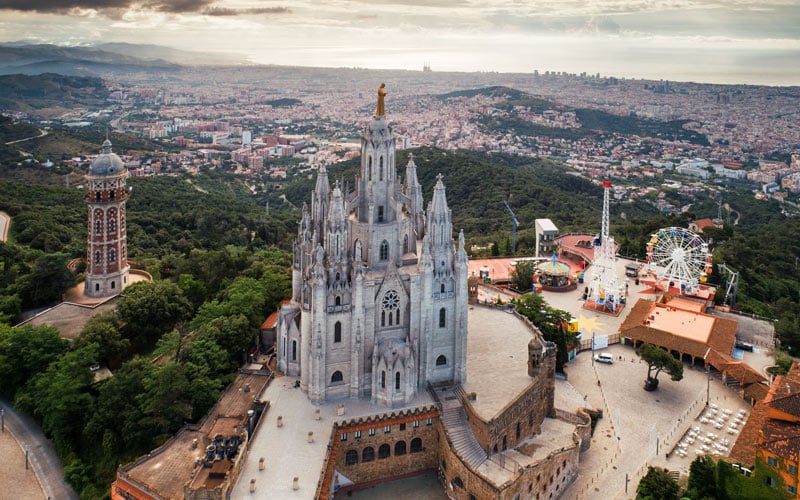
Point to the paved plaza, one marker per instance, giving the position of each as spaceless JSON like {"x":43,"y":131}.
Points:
{"x":633,"y":420}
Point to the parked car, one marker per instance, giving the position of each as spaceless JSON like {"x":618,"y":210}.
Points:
{"x":744,"y":346}
{"x":604,"y":357}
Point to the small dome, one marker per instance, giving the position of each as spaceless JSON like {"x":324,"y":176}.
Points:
{"x":107,"y":163}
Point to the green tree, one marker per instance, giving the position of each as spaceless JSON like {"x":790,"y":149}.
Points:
{"x":26,"y":351}
{"x":522,"y":275}
{"x":659,"y":360}
{"x":59,"y":397}
{"x":149,"y":309}
{"x":166,"y":400}
{"x":104,"y":330}
{"x":550,"y":322}
{"x":657,"y":485}
{"x":702,"y":480}
{"x":47,"y":280}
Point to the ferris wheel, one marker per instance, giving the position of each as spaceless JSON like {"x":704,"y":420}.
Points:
{"x":680,"y":257}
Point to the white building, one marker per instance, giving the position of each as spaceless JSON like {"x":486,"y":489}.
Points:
{"x":379,"y":286}
{"x":546,"y":234}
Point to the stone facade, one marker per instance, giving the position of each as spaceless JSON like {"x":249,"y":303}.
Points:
{"x":106,"y":247}
{"x":388,"y":446}
{"x":379,"y":286}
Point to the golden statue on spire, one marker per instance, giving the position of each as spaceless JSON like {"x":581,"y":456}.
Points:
{"x":381,"y":109}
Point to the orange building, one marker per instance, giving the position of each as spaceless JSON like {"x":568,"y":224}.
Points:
{"x":772,"y":434}
{"x":680,"y":326}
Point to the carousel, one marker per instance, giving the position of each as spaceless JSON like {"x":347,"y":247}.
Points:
{"x":554,"y":275}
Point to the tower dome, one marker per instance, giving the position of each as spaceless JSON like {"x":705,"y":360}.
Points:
{"x":107,"y":163}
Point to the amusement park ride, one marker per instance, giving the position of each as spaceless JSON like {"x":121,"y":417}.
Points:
{"x":679,"y":260}
{"x":603,"y":295}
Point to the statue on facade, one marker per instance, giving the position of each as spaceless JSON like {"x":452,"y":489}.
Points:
{"x":381,"y":109}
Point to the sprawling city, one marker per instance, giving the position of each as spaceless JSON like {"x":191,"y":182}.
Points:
{"x":234,"y":273}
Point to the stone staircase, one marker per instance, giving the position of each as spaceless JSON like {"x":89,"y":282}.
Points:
{"x":455,"y":423}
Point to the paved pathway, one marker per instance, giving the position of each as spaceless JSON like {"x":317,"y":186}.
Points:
{"x":5,"y":221}
{"x":42,"y":133}
{"x":43,"y":459}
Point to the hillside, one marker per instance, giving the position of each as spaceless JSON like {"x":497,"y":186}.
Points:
{"x":37,"y":95}
{"x":478,"y":184}
{"x":74,"y":61}
{"x":593,"y":121}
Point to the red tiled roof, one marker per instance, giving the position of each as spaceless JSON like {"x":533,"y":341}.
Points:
{"x":744,"y":450}
{"x":774,"y":435}
{"x":704,"y":223}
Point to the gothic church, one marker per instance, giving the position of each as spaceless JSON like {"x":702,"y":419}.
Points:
{"x":379,"y":286}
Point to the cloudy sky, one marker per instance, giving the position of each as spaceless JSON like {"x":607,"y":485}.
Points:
{"x":726,"y":41}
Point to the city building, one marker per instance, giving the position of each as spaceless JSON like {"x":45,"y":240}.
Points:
{"x":379,"y":286}
{"x":107,"y":254}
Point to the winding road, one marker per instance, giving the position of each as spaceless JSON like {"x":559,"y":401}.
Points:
{"x":42,"y":133}
{"x":43,"y":458}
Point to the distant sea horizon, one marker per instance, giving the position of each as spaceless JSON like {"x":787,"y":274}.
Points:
{"x":724,"y":67}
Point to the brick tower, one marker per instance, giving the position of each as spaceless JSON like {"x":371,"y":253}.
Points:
{"x":106,"y":246}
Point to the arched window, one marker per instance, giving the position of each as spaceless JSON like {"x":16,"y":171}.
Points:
{"x":112,"y":195}
{"x":400,"y":448}
{"x":112,"y":225}
{"x":98,"y":227}
{"x":337,"y":332}
{"x":294,"y":350}
{"x":369,"y":169}
{"x":98,"y":257}
{"x":442,"y":317}
{"x":97,"y":196}
{"x":384,"y":451}
{"x":368,"y":455}
{"x":442,"y":288}
{"x":338,"y":300}
{"x":113,"y":285}
{"x":441,"y":360}
{"x":383,"y":379}
{"x":384,"y":250}
{"x":397,"y":316}
{"x":112,"y":256}
{"x":351,"y":457}
{"x":97,"y":287}
{"x":336,"y":377}
{"x":405,"y":244}
{"x":338,"y":277}
{"x":397,"y":381}
{"x":383,"y":318}
{"x":519,"y":430}
{"x":416,"y":445}
{"x":380,"y":166}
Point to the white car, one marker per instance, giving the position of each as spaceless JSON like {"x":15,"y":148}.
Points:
{"x":604,"y":357}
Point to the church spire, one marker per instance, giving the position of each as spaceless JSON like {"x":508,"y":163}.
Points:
{"x":414,"y":193}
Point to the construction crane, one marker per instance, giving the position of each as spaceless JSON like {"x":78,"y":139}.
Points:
{"x":731,"y":286}
{"x":515,"y":223}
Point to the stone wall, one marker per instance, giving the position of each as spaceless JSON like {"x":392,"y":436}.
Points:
{"x":385,"y":447}
{"x":522,"y":417}
{"x":545,"y":479}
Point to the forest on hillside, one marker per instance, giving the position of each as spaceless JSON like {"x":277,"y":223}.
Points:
{"x":221,"y":263}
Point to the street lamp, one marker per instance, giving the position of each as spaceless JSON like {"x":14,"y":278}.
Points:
{"x":708,"y":383}
{"x":592,"y":347}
